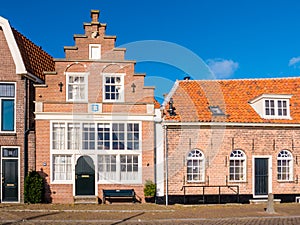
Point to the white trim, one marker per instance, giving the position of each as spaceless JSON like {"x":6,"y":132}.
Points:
{"x":75,"y":154}
{"x":94,"y":117}
{"x":271,"y":96}
{"x":94,"y":46}
{"x":269,"y":157}
{"x":86,"y":82}
{"x":276,"y":116}
{"x":13,"y":47}
{"x":121,"y":93}
{"x":15,"y":103}
{"x":233,"y":124}
{"x":244,"y":157}
{"x":290,"y":166}
{"x":74,"y":162}
{"x":19,"y":172}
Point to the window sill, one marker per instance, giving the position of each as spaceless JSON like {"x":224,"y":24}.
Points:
{"x":237,"y":181}
{"x":8,"y":134}
{"x":285,"y":181}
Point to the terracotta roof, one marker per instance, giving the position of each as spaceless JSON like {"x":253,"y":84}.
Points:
{"x":35,"y":59}
{"x":156,"y":104}
{"x":192,"y":99}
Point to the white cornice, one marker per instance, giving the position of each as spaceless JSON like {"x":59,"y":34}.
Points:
{"x":13,"y":47}
{"x":93,"y":117}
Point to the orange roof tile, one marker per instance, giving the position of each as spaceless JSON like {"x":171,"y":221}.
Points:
{"x":35,"y":59}
{"x":192,"y":99}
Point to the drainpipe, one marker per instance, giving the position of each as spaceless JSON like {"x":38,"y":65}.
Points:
{"x":167,"y":172}
{"x":26,"y":130}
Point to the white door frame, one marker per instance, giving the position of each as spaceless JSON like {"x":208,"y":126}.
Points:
{"x":94,"y":158}
{"x":269,"y":157}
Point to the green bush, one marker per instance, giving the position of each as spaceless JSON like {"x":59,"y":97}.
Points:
{"x":33,"y":188}
{"x":149,"y":189}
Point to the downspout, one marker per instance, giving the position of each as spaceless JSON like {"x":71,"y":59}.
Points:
{"x":167,"y":172}
{"x":26,"y":130}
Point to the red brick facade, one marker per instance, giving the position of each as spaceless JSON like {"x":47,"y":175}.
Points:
{"x":18,"y":72}
{"x":54,"y":106}
{"x":218,"y":136}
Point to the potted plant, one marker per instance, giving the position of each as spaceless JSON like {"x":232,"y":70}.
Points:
{"x":149,"y":191}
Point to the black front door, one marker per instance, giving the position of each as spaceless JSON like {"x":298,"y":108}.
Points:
{"x":10,"y":180}
{"x":261,"y":176}
{"x":85,"y":176}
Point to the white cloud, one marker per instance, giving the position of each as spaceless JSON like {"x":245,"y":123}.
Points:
{"x":293,"y":61}
{"x":222,"y":68}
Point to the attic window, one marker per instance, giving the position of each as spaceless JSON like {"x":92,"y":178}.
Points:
{"x":272,"y":106}
{"x":95,"y":51}
{"x":276,"y":108}
{"x":216,"y":111}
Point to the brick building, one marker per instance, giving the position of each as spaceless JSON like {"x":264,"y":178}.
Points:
{"x":22,"y":65}
{"x":232,"y":137}
{"x":94,"y":120}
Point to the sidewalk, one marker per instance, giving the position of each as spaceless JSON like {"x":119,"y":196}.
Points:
{"x":148,"y":214}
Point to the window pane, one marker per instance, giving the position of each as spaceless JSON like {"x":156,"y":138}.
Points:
{"x":7,"y":90}
{"x":10,"y":152}
{"x":8,"y":121}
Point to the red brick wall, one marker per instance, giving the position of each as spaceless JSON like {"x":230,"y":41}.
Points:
{"x":54,"y":101}
{"x":8,"y":74}
{"x":217,"y":143}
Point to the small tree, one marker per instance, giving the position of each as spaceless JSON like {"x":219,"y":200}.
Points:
{"x":33,"y":188}
{"x":149,"y":189}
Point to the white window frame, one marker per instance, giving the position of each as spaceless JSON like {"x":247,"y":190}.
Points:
{"x":237,"y":155}
{"x":198,"y":156}
{"x":276,"y":109}
{"x":120,"y":86}
{"x":93,"y":47}
{"x":84,"y":84}
{"x":62,"y":181}
{"x":118,"y":177}
{"x":285,"y":157}
{"x":95,"y":152}
{"x":19,"y":169}
{"x":9,"y":98}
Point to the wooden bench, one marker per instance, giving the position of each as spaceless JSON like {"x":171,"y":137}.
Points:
{"x":119,"y":194}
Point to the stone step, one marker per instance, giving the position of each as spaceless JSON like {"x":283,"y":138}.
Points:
{"x":86,"y":199}
{"x":263,"y":201}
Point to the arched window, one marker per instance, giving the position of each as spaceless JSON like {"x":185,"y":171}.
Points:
{"x":285,"y":166}
{"x":237,"y":166}
{"x":195,"y":166}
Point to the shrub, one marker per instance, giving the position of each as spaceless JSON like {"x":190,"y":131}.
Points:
{"x":33,"y":188}
{"x":149,"y":189}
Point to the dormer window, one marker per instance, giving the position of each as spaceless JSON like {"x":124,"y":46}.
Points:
{"x":95,"y":51}
{"x":277,"y":108}
{"x":272,"y":106}
{"x":113,"y":87}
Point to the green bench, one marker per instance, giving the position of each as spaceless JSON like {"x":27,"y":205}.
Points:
{"x":119,"y":194}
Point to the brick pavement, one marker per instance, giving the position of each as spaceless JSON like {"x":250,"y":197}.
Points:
{"x":286,"y":214}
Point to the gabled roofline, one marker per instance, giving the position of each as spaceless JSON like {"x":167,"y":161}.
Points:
{"x":13,"y":47}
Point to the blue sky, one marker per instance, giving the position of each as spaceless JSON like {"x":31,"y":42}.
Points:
{"x":235,"y":38}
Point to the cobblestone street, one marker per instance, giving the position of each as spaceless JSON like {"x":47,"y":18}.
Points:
{"x":149,"y":214}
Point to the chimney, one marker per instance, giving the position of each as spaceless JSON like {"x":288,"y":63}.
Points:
{"x":187,"y":77}
{"x":95,"y":16}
